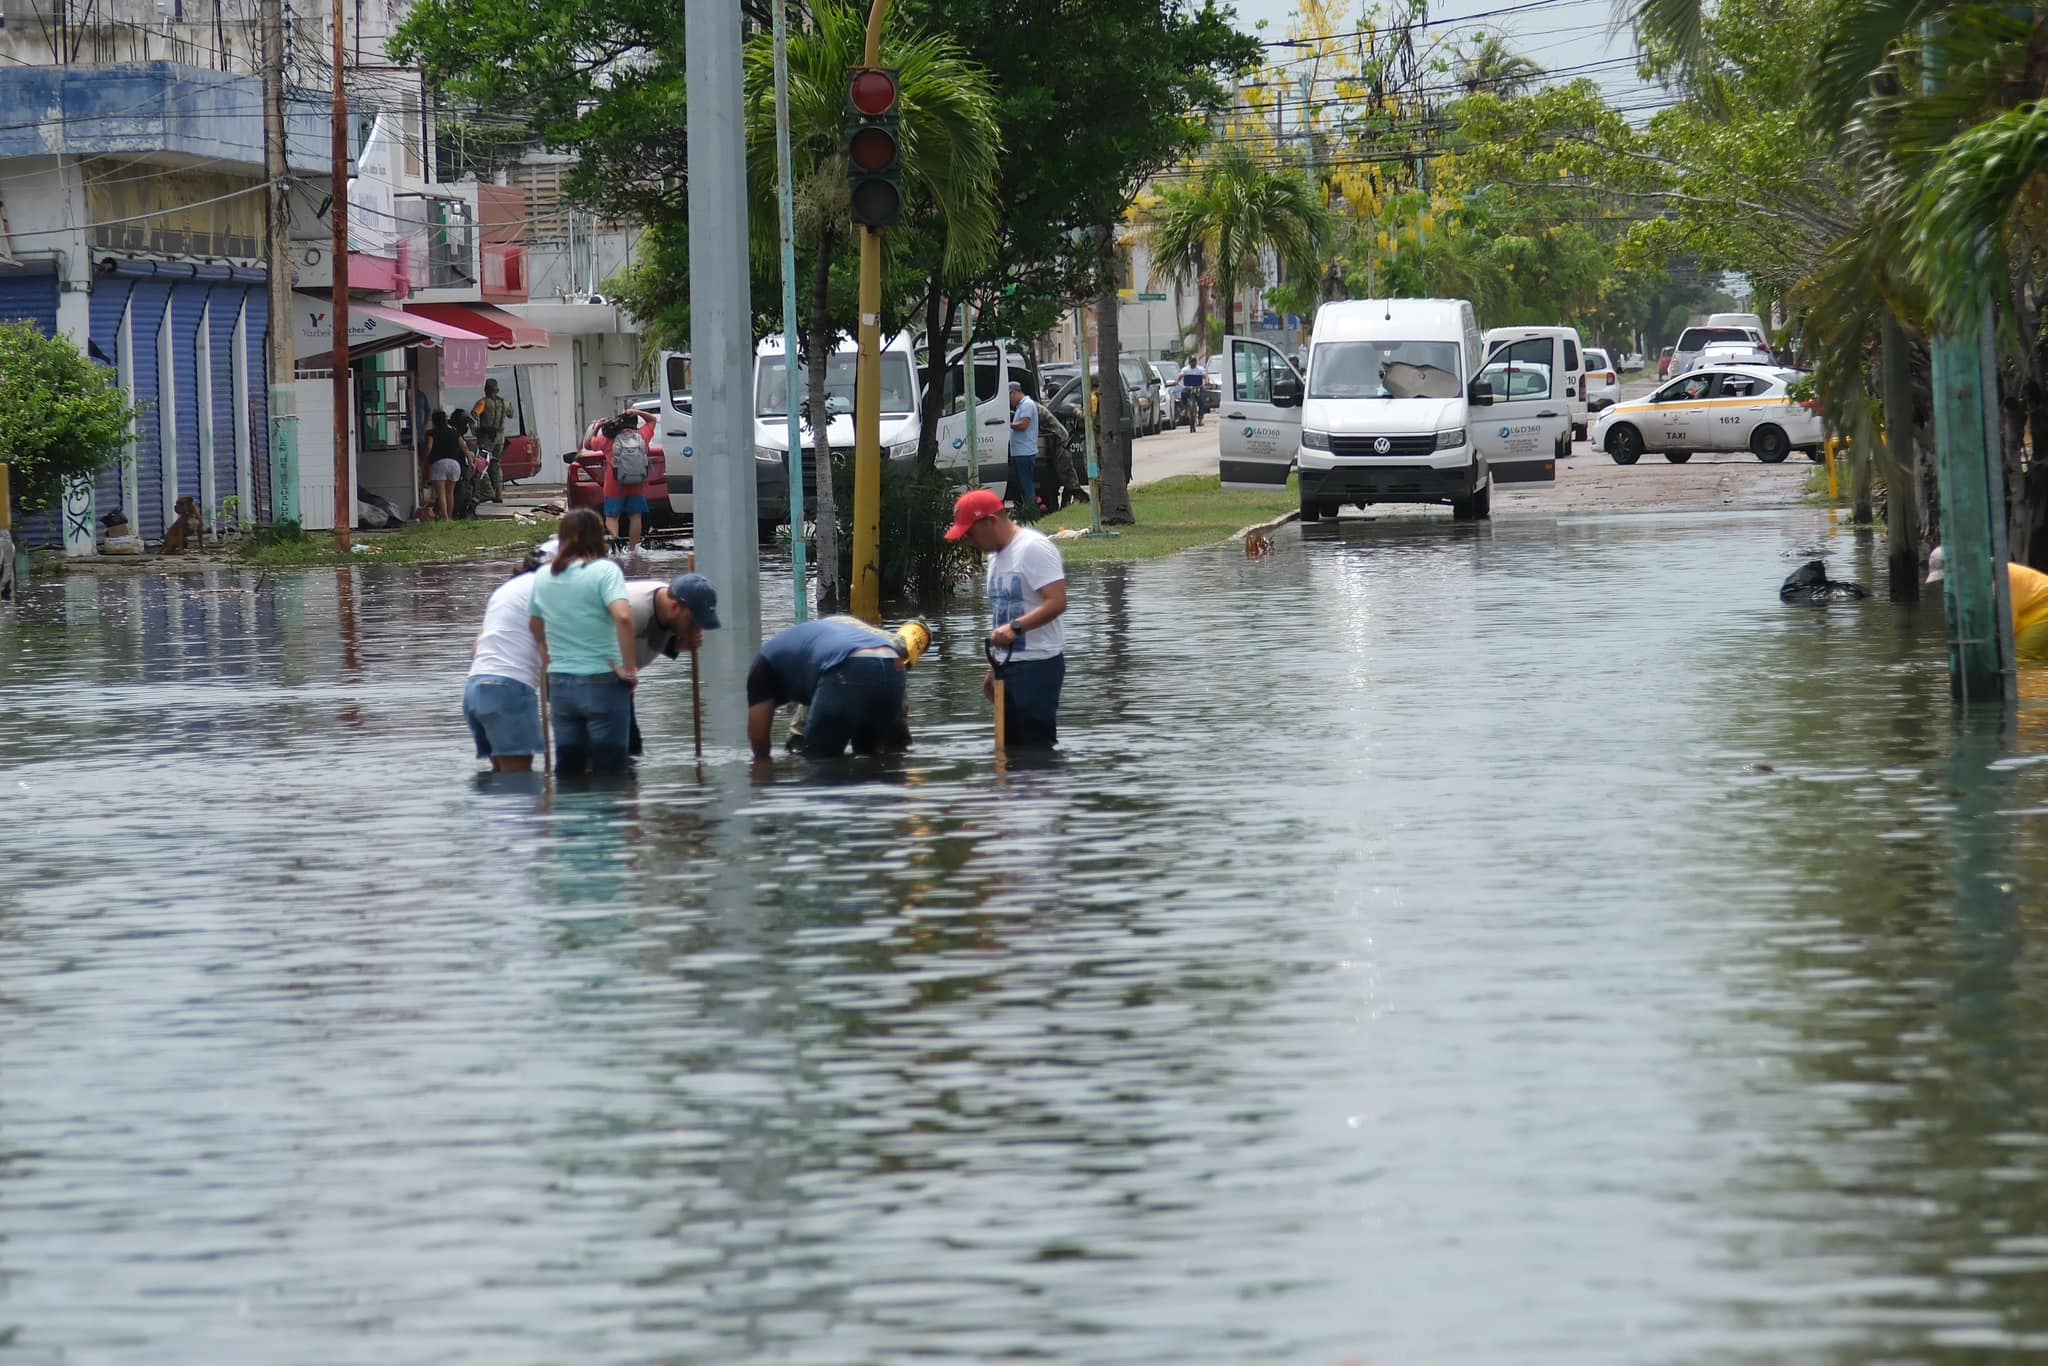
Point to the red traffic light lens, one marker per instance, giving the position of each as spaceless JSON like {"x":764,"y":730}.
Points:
{"x":871,"y":150}
{"x":872,"y":92}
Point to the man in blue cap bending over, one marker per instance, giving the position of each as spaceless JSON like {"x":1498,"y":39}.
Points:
{"x":668,"y":618}
{"x":850,"y":674}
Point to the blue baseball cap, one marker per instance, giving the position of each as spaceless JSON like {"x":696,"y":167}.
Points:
{"x":695,"y":592}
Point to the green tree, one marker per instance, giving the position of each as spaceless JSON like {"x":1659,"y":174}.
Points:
{"x":1236,"y":206}
{"x":61,"y":416}
{"x":951,"y":148}
{"x":1484,"y":61}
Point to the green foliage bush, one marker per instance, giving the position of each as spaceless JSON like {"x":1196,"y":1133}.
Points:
{"x":60,"y":416}
{"x":920,"y":567}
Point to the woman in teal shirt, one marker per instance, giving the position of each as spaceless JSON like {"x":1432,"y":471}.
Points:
{"x":585,"y":628}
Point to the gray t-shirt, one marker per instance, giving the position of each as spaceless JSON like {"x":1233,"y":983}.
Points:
{"x":1024,"y":444}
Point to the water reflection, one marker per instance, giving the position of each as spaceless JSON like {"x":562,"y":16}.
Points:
{"x":1527,"y":942}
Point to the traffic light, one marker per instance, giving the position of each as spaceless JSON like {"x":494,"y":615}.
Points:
{"x":873,"y":147}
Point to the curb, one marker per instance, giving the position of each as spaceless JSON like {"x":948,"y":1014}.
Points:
{"x":1260,"y":528}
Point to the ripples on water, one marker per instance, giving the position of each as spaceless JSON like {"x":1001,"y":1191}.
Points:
{"x":1527,"y":943}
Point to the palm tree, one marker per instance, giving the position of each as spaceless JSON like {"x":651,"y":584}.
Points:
{"x":951,"y":152}
{"x":1237,"y":205}
{"x":1487,"y":63}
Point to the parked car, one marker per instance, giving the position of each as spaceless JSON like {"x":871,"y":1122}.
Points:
{"x":1734,"y":353}
{"x":1139,"y":378}
{"x":1631,"y":361}
{"x":586,"y":467}
{"x":1694,"y":340}
{"x":1664,"y":362}
{"x":1726,"y":408}
{"x":1603,"y":383}
{"x":1052,"y":376}
{"x":522,"y":428}
{"x":1066,"y":406}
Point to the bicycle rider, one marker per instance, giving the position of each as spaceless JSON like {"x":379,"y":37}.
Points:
{"x":1192,"y":379}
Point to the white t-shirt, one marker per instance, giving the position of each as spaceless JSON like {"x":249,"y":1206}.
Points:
{"x":1017,"y":579}
{"x":505,"y":648}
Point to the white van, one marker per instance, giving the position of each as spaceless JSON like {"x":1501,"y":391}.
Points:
{"x":902,"y":401}
{"x":1753,"y":321}
{"x":1400,"y":406}
{"x":997,"y":364}
{"x":1558,"y":349}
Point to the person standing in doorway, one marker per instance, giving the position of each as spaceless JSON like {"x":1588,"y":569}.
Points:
{"x":443,"y":464}
{"x":1023,"y":452}
{"x":584,"y":623}
{"x":490,"y":413}
{"x":1027,"y":594}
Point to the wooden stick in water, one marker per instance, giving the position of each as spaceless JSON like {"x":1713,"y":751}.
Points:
{"x":696,"y":693}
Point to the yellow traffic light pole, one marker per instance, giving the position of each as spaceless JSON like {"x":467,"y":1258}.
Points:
{"x":866,"y":588}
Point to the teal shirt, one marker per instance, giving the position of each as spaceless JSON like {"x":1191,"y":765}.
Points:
{"x":575,"y":606}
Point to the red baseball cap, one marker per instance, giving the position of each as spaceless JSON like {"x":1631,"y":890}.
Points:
{"x":975,"y":505}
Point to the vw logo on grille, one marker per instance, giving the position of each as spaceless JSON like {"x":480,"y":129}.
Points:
{"x":1382,"y":446}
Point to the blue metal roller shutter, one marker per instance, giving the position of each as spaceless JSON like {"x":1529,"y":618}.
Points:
{"x":188,"y":303}
{"x":151,"y":297}
{"x":258,"y":417}
{"x":29,"y":295}
{"x":109,"y":303}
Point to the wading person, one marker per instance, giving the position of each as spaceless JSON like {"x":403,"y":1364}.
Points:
{"x":501,"y":701}
{"x":443,"y":464}
{"x":668,"y":618}
{"x":490,"y":413}
{"x":1027,"y":594}
{"x":585,"y":628}
{"x":1023,"y":452}
{"x":849,"y":673}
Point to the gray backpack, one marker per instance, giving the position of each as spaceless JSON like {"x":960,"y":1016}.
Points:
{"x":629,"y":457}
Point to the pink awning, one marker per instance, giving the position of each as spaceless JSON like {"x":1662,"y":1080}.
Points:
{"x":465,"y":356}
{"x":504,"y":331}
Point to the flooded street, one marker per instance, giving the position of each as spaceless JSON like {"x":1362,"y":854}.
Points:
{"x":1515,"y":943}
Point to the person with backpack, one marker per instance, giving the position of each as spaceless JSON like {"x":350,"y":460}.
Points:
{"x":626,"y":467}
{"x":490,"y":412}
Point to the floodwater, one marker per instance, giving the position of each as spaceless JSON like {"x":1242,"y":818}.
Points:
{"x":1526,"y":943}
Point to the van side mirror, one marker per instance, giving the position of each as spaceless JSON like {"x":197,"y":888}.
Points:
{"x":1479,"y":394}
{"x":1286,"y":393}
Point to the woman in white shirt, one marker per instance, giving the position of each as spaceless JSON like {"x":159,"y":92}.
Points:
{"x":501,"y":702}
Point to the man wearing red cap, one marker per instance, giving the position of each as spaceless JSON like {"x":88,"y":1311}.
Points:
{"x":1027,"y":594}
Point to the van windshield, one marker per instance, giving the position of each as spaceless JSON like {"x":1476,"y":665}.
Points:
{"x":1384,"y":369}
{"x":770,"y":400}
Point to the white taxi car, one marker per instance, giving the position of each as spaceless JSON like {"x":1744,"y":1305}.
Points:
{"x":1722,"y":408}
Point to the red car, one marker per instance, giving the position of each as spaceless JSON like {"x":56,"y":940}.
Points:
{"x":586,"y":471}
{"x":1664,"y":362}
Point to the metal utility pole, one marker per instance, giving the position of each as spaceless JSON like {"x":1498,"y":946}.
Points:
{"x":722,"y":347}
{"x":284,"y":421}
{"x":1969,"y":459}
{"x":866,"y":590}
{"x":344,"y":486}
{"x":970,"y":384}
{"x":785,"y":186}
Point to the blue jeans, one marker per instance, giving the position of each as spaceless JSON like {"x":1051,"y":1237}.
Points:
{"x":1024,"y":482}
{"x":859,"y":702}
{"x":1031,"y":701}
{"x":593,"y":716}
{"x":503,"y":716}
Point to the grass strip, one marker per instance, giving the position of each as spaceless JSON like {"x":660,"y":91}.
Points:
{"x":1173,"y":515}
{"x":415,"y":543}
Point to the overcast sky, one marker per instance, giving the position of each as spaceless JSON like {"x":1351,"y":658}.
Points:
{"x":1563,"y":35}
